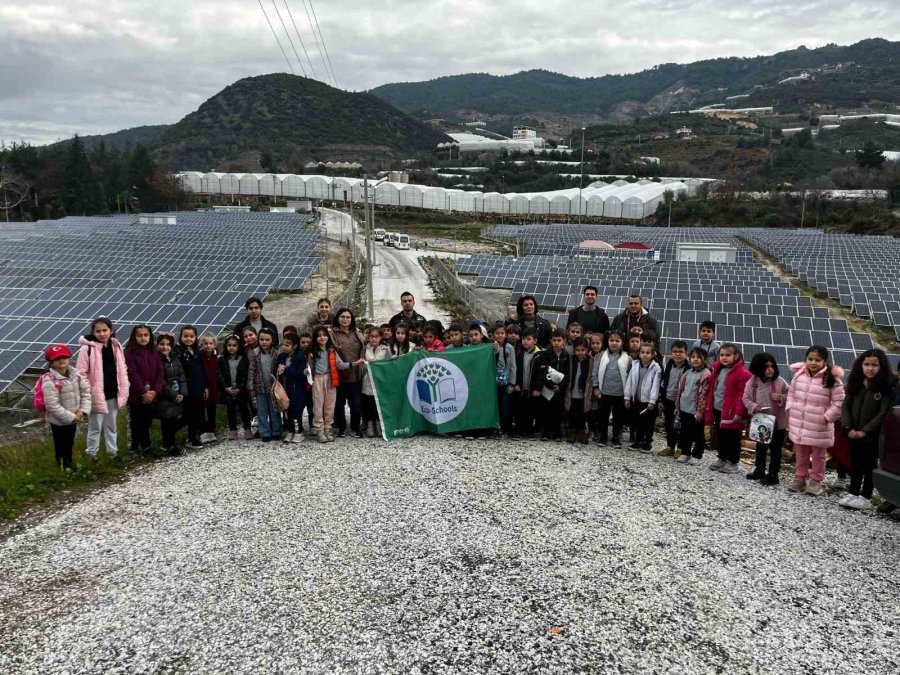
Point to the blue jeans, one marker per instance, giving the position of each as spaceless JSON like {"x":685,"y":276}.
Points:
{"x":269,"y":418}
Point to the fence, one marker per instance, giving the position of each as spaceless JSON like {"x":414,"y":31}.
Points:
{"x":464,"y":293}
{"x":351,"y":297}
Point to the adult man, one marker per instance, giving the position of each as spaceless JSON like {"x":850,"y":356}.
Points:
{"x":635,"y":315}
{"x":254,"y":307}
{"x":593,"y":319}
{"x":527,"y":317}
{"x":408,"y":314}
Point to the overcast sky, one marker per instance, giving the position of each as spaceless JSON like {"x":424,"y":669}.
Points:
{"x":92,"y":66}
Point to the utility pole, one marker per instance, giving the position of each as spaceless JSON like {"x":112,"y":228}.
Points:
{"x":370,"y":301}
{"x":352,"y":230}
{"x":803,"y":209}
{"x":581,"y":178}
{"x":372,"y":221}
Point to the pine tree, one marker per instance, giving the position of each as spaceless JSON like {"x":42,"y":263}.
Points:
{"x":870,"y":157}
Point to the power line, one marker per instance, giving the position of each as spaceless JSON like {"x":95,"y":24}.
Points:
{"x":275,"y":35}
{"x":289,"y":38}
{"x":296,"y":30}
{"x":333,"y":78}
{"x":312,"y":27}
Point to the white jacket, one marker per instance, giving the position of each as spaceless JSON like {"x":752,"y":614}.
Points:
{"x":73,"y":394}
{"x":601,"y":364}
{"x":382,"y":352}
{"x":643,"y":383}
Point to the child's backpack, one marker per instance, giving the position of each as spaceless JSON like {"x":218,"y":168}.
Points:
{"x":39,"y":403}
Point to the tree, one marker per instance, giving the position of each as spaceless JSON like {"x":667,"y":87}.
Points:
{"x":870,"y":157}
{"x":13,"y":191}
{"x":78,"y":193}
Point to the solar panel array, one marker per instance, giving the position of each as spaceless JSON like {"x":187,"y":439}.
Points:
{"x":750,"y":305}
{"x":55,"y":276}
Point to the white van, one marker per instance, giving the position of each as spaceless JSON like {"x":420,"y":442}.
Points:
{"x":379,"y":234}
{"x":402,"y":241}
{"x":388,"y":239}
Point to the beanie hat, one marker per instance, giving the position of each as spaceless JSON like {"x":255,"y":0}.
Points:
{"x":54,"y":352}
{"x":480,"y":326}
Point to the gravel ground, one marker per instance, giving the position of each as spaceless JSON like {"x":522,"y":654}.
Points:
{"x":440,"y":556}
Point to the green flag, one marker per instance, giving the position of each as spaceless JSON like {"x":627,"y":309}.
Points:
{"x":441,"y":392}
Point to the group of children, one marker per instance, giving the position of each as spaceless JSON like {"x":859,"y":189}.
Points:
{"x":593,"y":383}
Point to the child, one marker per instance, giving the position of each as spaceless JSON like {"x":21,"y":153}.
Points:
{"x":668,"y":388}
{"x":766,"y":392}
{"x":634,"y":345}
{"x":725,"y":409}
{"x":387,"y":333}
{"x":210,"y":360}
{"x":514,"y":337}
{"x":195,"y":398}
{"x":595,"y":352}
{"x":232,"y":384}
{"x":573,"y":332}
{"x":291,"y":371}
{"x":814,"y":403}
{"x":145,"y":377}
{"x":67,"y":400}
{"x":454,"y":337}
{"x":375,"y":351}
{"x":867,"y":401}
{"x":707,"y":340}
{"x":289,"y":330}
{"x":505,"y":361}
{"x":690,"y":401}
{"x":174,"y":391}
{"x":305,"y":346}
{"x":523,"y":404}
{"x":551,"y":412}
{"x":478,"y":333}
{"x":430,"y":340}
{"x":415,"y":332}
{"x":641,"y":395}
{"x":102,"y":361}
{"x":401,"y":345}
{"x":249,"y":337}
{"x":261,"y":368}
{"x":579,"y":393}
{"x":324,"y":364}
{"x":609,"y":377}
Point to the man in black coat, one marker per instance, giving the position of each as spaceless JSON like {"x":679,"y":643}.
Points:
{"x":636,"y":315}
{"x":593,"y":319}
{"x":408,"y":314}
{"x":255,"y":318}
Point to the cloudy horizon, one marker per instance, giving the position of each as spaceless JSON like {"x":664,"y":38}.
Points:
{"x":99,"y":68}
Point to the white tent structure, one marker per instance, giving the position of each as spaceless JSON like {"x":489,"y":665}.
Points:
{"x":632,"y":201}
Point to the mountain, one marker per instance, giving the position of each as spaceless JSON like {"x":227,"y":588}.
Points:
{"x":289,"y":119}
{"x":836,"y":76}
{"x":145,"y":135}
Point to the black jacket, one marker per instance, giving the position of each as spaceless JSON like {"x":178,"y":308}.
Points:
{"x":592,"y":322}
{"x":223,"y":373}
{"x":667,"y":374}
{"x":265,"y":322}
{"x":541,"y":328}
{"x":399,"y":316}
{"x":549,"y":359}
{"x":645,"y":321}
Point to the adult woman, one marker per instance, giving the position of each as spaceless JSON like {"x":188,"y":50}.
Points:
{"x":527,"y":317}
{"x":321,"y":317}
{"x":349,"y":344}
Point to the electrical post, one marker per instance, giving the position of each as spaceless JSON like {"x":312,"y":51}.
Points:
{"x":352,"y":231}
{"x":370,"y":301}
{"x":581,"y":178}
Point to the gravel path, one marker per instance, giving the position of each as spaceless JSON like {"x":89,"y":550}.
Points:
{"x":446,"y":556}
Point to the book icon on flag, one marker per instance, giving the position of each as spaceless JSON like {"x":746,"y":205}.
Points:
{"x":435,"y":385}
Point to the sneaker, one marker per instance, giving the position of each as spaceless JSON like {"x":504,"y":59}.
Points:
{"x":297,"y":438}
{"x":248,"y":434}
{"x":322,"y":437}
{"x":616,"y":443}
{"x":693,"y":461}
{"x":666,"y":452}
{"x":769,"y":480}
{"x":886,"y":507}
{"x":756,"y":474}
{"x":177,"y":450}
{"x":340,"y":432}
{"x":815,"y":488}
{"x":602,"y":442}
{"x":634,"y":446}
{"x":646,"y":449}
{"x":730,"y":467}
{"x":330,"y":437}
{"x":683,"y":459}
{"x":356,"y":434}
{"x":797,"y":485}
{"x":232,"y":435}
{"x":840,"y":483}
{"x":287,"y":438}
{"x":846,"y":500}
{"x":860,"y":503}
{"x":718,"y":464}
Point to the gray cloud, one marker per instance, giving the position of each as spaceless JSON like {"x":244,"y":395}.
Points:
{"x":96,"y":66}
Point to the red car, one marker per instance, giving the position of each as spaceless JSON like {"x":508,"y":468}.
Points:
{"x":887,"y":476}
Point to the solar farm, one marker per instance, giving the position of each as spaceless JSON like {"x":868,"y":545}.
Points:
{"x":751,"y":305}
{"x":165,"y":270}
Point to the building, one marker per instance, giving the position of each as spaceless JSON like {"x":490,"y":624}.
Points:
{"x":698,"y":252}
{"x":521,"y":133}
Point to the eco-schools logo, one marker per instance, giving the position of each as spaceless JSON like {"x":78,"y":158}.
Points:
{"x":437,"y":390}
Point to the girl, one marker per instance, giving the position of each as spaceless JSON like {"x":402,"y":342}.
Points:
{"x":375,"y":351}
{"x":608,"y":377}
{"x":169,"y":407}
{"x":430,"y":340}
{"x":67,"y":400}
{"x":192,"y":406}
{"x":725,"y":409}
{"x":260,"y":377}
{"x":210,"y":361}
{"x":641,"y":395}
{"x":766,"y":392}
{"x":232,"y":382}
{"x":145,"y":375}
{"x":400,"y":344}
{"x":813,"y":404}
{"x":634,"y":345}
{"x":505,"y":362}
{"x":595,"y":353}
{"x":690,"y":404}
{"x":867,"y":402}
{"x":248,"y":335}
{"x":291,"y":369}
{"x":324,"y":364}
{"x":579,"y":392}
{"x":102,"y":361}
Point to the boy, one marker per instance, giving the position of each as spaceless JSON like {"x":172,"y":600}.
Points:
{"x":579,"y":393}
{"x":387,"y":333}
{"x":505,"y":358}
{"x":524,"y":407}
{"x":573,"y":332}
{"x":477,"y":333}
{"x":668,"y":389}
{"x":513,"y":337}
{"x":634,"y":345}
{"x":707,"y":340}
{"x":726,"y":393}
{"x":559,"y":360}
{"x":305,"y":346}
{"x":454,"y":337}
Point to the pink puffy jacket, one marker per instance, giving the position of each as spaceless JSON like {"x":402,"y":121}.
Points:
{"x":90,"y":363}
{"x":812,"y":408}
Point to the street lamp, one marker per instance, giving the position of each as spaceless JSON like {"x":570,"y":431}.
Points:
{"x":581,"y":178}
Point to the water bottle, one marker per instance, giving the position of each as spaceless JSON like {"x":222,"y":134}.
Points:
{"x":175,"y":386}
{"x":677,"y":423}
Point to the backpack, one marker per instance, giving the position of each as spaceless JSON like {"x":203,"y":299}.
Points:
{"x":39,"y":403}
